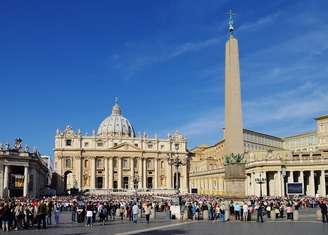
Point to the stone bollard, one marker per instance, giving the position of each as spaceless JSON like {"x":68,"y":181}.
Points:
{"x":153,"y":214}
{"x":318,"y":215}
{"x":205,"y":214}
{"x":185,"y":215}
{"x":296,"y":215}
{"x":118,"y":212}
{"x":273,"y":215}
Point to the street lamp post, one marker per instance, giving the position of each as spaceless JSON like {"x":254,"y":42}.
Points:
{"x":175,"y":161}
{"x":260,"y":180}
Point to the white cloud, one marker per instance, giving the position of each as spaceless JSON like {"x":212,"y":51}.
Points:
{"x":261,"y":22}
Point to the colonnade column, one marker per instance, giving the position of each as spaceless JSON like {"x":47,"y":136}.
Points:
{"x":156,"y":173}
{"x":6,"y":181}
{"x":311,"y":192}
{"x":323,"y":184}
{"x":26,"y":180}
{"x":131,"y":173}
{"x":144,"y":175}
{"x":252,"y":190}
{"x":278,"y":185}
{"x":110,"y":173}
{"x":79,"y":172}
{"x":119,"y":173}
{"x":291,"y":177}
{"x":301,"y":180}
{"x":93,"y":173}
{"x":140,"y":173}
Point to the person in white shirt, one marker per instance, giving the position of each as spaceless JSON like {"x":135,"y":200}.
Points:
{"x":245,"y":212}
{"x":135,"y":212}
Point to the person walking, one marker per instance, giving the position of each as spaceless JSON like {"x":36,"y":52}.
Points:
{"x":147,"y":212}
{"x":259,"y":211}
{"x":42,"y":212}
{"x":323,"y":207}
{"x":135,"y":212}
{"x":57,"y":213}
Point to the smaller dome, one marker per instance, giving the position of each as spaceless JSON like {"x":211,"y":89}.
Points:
{"x":116,"y":124}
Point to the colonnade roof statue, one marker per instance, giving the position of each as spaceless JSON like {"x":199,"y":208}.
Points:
{"x":116,"y":124}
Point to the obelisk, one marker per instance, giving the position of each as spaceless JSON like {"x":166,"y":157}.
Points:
{"x":233,"y":133}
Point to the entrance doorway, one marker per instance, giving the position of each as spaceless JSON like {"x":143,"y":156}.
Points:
{"x":99,"y":182}
{"x":125,"y":182}
{"x":150,"y":182}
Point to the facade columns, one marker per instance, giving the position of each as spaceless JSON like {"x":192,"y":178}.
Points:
{"x":156,"y":174}
{"x":140,"y":173}
{"x":106,"y":173}
{"x":26,"y":180}
{"x":110,"y":173}
{"x":322,"y":184}
{"x":93,"y":173}
{"x":79,"y":172}
{"x":132,"y":173}
{"x":169,"y":175}
{"x":119,"y":173}
{"x":185,"y":179}
{"x":144,"y":178}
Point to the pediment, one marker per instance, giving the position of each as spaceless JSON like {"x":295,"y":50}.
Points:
{"x":126,"y":147}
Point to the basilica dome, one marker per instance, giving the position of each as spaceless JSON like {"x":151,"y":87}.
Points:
{"x":116,"y":124}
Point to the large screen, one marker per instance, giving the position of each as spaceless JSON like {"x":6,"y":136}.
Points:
{"x":294,"y":188}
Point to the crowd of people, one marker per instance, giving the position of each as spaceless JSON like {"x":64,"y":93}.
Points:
{"x":22,"y":213}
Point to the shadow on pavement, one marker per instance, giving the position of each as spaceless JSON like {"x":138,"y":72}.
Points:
{"x":164,"y":232}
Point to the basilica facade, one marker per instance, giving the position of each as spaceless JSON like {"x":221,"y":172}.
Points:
{"x":115,"y":159}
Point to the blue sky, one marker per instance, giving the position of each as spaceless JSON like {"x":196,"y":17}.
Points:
{"x":63,"y":62}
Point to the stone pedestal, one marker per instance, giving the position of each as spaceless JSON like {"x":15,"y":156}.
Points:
{"x":153,"y":214}
{"x":273,"y":215}
{"x":185,"y":214}
{"x":318,"y":215}
{"x":205,"y":215}
{"x":296,"y":215}
{"x":175,"y":210}
{"x":234,"y":180}
{"x":227,"y":211}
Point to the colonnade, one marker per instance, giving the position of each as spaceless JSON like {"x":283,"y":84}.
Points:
{"x":211,"y":185}
{"x":6,"y":175}
{"x":274,"y":182}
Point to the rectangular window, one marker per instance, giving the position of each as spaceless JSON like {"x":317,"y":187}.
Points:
{"x":68,"y":142}
{"x":136,"y":145}
{"x":68,"y":163}
{"x":100,"y":144}
{"x":99,"y":164}
{"x":125,"y":163}
{"x":150,"y":146}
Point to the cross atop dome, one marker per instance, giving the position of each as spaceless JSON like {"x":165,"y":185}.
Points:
{"x":116,"y":108}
